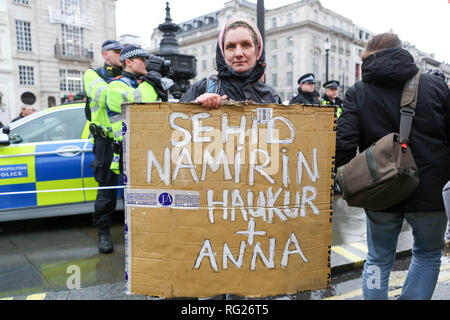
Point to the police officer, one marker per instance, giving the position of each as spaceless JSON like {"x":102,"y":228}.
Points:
{"x":306,"y":92}
{"x":330,"y":97}
{"x":135,"y":84}
{"x":95,"y":84}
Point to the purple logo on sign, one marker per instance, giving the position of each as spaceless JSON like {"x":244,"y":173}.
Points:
{"x":165,"y":199}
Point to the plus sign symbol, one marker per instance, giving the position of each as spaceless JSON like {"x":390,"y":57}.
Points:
{"x":250,"y":232}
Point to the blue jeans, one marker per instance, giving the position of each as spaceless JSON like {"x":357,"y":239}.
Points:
{"x":383,"y":229}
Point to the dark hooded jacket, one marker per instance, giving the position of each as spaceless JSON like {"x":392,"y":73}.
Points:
{"x":238,"y":87}
{"x":372,"y":110}
{"x":306,"y":97}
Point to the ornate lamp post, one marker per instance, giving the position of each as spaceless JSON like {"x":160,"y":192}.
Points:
{"x":183,"y":66}
{"x":327,"y":47}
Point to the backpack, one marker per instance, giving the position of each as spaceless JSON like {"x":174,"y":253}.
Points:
{"x":384,"y":174}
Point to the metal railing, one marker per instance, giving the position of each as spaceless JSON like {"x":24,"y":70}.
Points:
{"x":73,"y":52}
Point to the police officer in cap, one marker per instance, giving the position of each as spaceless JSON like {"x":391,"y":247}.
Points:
{"x":330,"y":97}
{"x":135,"y":84}
{"x":95,"y":84}
{"x":306,"y":92}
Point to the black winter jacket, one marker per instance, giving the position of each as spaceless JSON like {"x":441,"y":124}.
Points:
{"x":372,"y":109}
{"x":306,"y":97}
{"x":238,"y":87}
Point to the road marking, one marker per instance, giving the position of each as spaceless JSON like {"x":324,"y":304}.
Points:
{"x":397,"y":292}
{"x":393,"y":283}
{"x":37,"y":296}
{"x":9,"y":298}
{"x":360,"y":246}
{"x":347,"y":254}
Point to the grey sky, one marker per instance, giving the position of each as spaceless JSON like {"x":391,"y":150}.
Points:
{"x":424,"y":23}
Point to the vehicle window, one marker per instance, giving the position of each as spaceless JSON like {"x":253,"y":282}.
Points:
{"x":64,"y":124}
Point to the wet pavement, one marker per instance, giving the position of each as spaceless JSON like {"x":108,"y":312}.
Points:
{"x":37,"y":257}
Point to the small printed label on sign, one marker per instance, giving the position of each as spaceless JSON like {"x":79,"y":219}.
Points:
{"x":264,"y":115}
{"x":14,"y":171}
{"x":175,"y":199}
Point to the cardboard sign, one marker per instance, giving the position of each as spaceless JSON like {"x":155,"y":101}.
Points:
{"x":236,"y":200}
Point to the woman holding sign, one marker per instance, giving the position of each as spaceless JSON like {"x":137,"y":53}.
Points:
{"x":240,"y":65}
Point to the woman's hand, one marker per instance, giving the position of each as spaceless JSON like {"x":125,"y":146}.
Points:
{"x":210,"y":100}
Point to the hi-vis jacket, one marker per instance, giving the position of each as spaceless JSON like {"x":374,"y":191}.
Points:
{"x":124,"y":88}
{"x":326,"y":101}
{"x":95,"y":84}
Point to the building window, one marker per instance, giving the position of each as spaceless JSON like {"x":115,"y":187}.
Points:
{"x":289,"y":58}
{"x":72,"y":40}
{"x":23,"y":35}
{"x":289,"y":18}
{"x":203,"y":65}
{"x":274,"y":22}
{"x":70,"y":80}
{"x":70,"y":7}
{"x":289,"y":78}
{"x":22,"y":1}
{"x":274,"y":44}
{"x":274,"y":60}
{"x":315,"y":63}
{"x":203,"y":49}
{"x":26,"y":76}
{"x":290,"y":41}
{"x":274,"y":80}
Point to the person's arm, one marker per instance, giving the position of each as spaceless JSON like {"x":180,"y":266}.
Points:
{"x":197,"y":93}
{"x":194,"y":91}
{"x":94,"y":86}
{"x":347,"y":135}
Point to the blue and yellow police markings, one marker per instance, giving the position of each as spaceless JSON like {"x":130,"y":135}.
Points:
{"x":17,"y":174}
{"x":28,"y":170}
{"x":58,"y":172}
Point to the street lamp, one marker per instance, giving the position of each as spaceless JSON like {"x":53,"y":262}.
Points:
{"x":327,"y":47}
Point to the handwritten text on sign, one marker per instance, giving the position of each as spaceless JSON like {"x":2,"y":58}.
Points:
{"x":199,"y":148}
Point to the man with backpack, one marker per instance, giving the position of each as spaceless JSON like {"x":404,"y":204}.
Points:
{"x":372,"y":111}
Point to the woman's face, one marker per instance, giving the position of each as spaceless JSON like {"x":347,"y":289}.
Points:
{"x":239,"y":49}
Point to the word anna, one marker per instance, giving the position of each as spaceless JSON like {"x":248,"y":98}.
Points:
{"x":268,"y":261}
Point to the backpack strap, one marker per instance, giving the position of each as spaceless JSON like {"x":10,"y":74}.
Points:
{"x":213,"y":84}
{"x":408,"y":106}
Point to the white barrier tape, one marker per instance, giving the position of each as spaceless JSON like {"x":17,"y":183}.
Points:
{"x":59,"y":190}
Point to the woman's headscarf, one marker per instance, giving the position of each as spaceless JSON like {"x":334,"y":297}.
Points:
{"x":225,"y":70}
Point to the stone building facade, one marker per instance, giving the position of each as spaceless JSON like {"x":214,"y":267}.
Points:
{"x":294,"y":42}
{"x":426,"y":61}
{"x":49,"y":44}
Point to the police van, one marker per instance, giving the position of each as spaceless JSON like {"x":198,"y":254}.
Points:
{"x":45,"y":165}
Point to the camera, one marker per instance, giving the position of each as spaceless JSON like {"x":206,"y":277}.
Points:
{"x":159,"y":64}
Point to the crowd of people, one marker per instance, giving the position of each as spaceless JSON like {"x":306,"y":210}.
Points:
{"x":369,"y":111}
